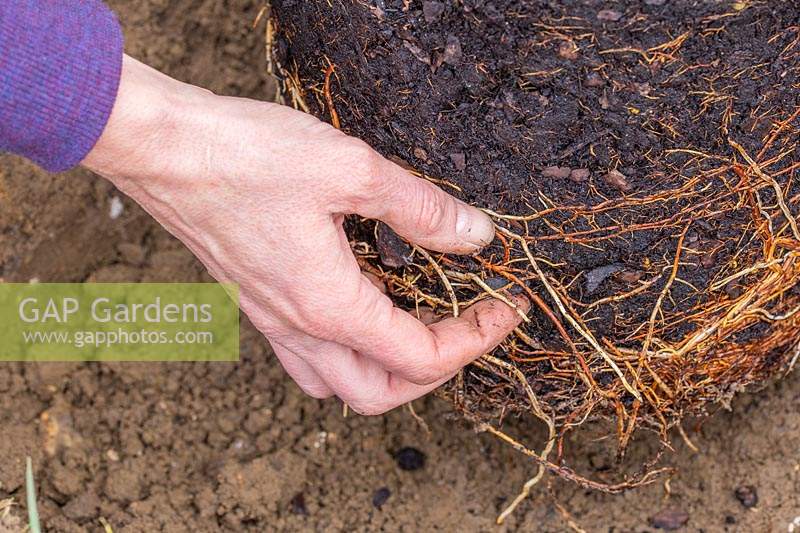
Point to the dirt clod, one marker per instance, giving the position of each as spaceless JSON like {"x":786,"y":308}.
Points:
{"x":459,"y":160}
{"x":394,"y":251}
{"x":420,"y":154}
{"x":255,"y":490}
{"x":630,"y":276}
{"x":83,"y":506}
{"x":432,"y":11}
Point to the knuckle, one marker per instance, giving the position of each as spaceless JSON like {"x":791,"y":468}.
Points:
{"x":364,"y":163}
{"x":432,"y":213}
{"x":354,"y":308}
{"x":309,"y":319}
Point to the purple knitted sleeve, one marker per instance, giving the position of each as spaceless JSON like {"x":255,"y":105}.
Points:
{"x":60,"y":63}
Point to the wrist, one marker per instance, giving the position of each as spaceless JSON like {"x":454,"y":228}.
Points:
{"x":146,"y":125}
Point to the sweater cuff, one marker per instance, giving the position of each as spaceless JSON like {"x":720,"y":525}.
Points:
{"x":60,"y":66}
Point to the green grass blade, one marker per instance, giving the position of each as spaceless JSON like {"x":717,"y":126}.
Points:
{"x":30,"y":494}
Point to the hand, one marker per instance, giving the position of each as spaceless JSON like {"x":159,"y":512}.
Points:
{"x":258,"y":192}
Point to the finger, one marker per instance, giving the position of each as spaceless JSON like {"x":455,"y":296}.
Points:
{"x":302,"y":373}
{"x":354,"y":313}
{"x":445,"y":346}
{"x":362,"y":383}
{"x":402,"y":345}
{"x":421,"y":212}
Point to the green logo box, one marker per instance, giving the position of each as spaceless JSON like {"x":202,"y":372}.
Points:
{"x":119,"y":322}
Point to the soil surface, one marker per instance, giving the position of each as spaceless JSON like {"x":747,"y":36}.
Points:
{"x":632,"y":137}
{"x":237,"y":447}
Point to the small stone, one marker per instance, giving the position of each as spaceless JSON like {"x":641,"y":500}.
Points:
{"x":432,"y":11}
{"x":297,"y":505}
{"x":617,"y":180}
{"x":556,"y":172}
{"x":580,"y":175}
{"x":609,"y":15}
{"x":459,"y":160}
{"x":568,"y":50}
{"x":604,"y":102}
{"x":452,"y":51}
{"x":380,"y":497}
{"x":669,"y":519}
{"x":420,"y":154}
{"x":410,"y":459}
{"x":747,"y":496}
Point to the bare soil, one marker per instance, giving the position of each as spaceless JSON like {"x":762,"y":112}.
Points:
{"x":233,"y":447}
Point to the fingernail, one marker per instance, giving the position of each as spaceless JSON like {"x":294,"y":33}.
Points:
{"x":474,"y":226}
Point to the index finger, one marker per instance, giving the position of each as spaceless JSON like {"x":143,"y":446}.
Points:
{"x":423,"y":355}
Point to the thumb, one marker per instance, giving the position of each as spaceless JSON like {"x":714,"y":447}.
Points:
{"x":423,"y":213}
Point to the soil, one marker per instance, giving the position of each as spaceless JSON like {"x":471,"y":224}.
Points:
{"x":623,"y":132}
{"x":232,"y":447}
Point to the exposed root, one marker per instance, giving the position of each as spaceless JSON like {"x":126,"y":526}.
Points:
{"x":662,"y":343}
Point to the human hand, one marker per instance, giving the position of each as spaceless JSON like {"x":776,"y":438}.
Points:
{"x":258,"y":192}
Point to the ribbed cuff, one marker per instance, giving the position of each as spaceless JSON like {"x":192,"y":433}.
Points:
{"x":60,"y":65}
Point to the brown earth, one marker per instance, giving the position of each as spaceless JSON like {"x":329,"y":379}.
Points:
{"x":231,"y":447}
